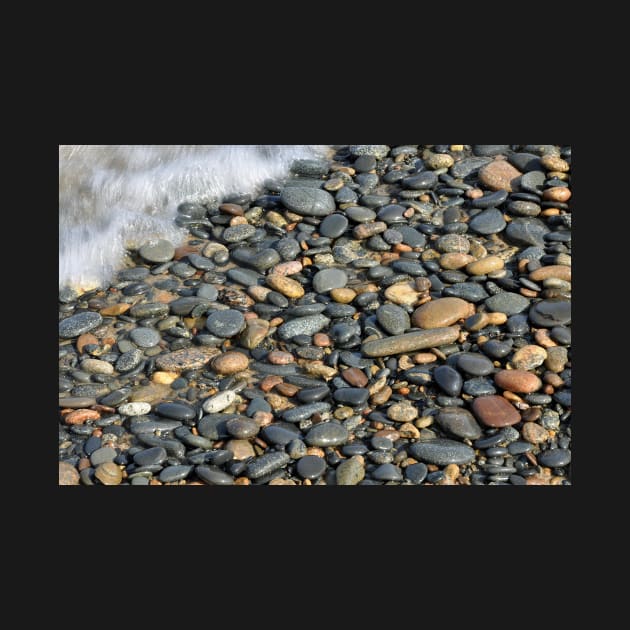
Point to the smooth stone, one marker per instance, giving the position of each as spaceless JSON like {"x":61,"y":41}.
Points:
{"x":134,"y":409}
{"x":449,"y":379}
{"x":468,"y":291}
{"x":468,"y":166}
{"x":533,"y":182}
{"x":237,"y":233}
{"x":327,"y":434}
{"x":527,"y":231}
{"x":328,"y":279}
{"x":409,"y":342}
{"x":518,"y":381}
{"x":157,"y":251}
{"x":421,"y":181}
{"x":524,"y":208}
{"x":555,"y":457}
{"x":302,"y":326}
{"x":489,"y":221}
{"x":311,"y":467}
{"x":175,"y":473}
{"x":176,"y":411}
{"x":244,"y":277}
{"x":475,"y":363}
{"x":490,"y":150}
{"x":225,"y":323}
{"x":524,"y":161}
{"x":129,"y":360}
{"x":550,"y":313}
{"x":145,"y":337}
{"x":207,"y":292}
{"x":499,"y":175}
{"x":150,"y":456}
{"x":279,"y":435}
{"x":68,"y":475}
{"x":267,"y":463}
{"x":507,"y":302}
{"x":392,"y":213}
{"x":490,"y":200}
{"x":387,"y":472}
{"x":230,"y":363}
{"x":495,"y":411}
{"x":442,"y":452}
{"x":441,"y":312}
{"x":150,"y":309}
{"x":219,"y":401}
{"x":459,"y":422}
{"x":242,"y":427}
{"x":185,"y":359}
{"x":333,"y":226}
{"x":408,"y":267}
{"x":416,"y":473}
{"x":359,"y":214}
{"x":108,"y":473}
{"x":393,"y":319}
{"x":353,"y":396}
{"x":79,"y":324}
{"x":297,"y":414}
{"x":313,"y":394}
{"x":308,"y":201}
{"x":213,"y":476}
{"x":479,"y":386}
{"x":496,"y":349}
{"x":350,"y":471}
{"x":411,"y":236}
{"x":102,"y":455}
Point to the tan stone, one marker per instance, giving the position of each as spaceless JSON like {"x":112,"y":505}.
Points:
{"x":343,"y":295}
{"x":115,"y":309}
{"x":496,"y":318}
{"x":499,"y":175}
{"x":484,"y":266}
{"x":528,"y":357}
{"x":186,"y":359}
{"x":557,"y":193}
{"x":402,"y":293}
{"x":534,"y":433}
{"x":109,"y":474}
{"x":279,"y":357}
{"x":256,"y":330}
{"x":230,"y":363}
{"x":241,"y":449}
{"x":382,"y":396}
{"x":408,"y":431}
{"x":68,"y":475}
{"x":259,"y":293}
{"x":563,"y":272}
{"x":441,"y":312}
{"x":455,"y":260}
{"x":554,"y":163}
{"x":285,"y":285}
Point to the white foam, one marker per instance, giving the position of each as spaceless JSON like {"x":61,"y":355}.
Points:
{"x":112,"y":197}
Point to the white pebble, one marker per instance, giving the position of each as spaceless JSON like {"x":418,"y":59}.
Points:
{"x":134,"y":409}
{"x":219,"y":402}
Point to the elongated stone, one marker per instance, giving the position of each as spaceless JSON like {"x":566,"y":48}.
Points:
{"x":409,"y":342}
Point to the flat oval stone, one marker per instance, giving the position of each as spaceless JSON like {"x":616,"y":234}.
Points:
{"x":394,"y":319}
{"x":145,"y":337}
{"x":308,"y":201}
{"x":387,"y":472}
{"x":237,"y":233}
{"x":469,"y":166}
{"x":333,"y":226}
{"x":328,"y":279}
{"x":242,"y":427}
{"x":507,"y":302}
{"x":213,"y":476}
{"x":459,"y":422}
{"x":327,"y":434}
{"x":130,"y":360}
{"x":150,"y":456}
{"x":297,"y":414}
{"x":267,"y":463}
{"x":441,"y":312}
{"x":185,"y":359}
{"x":449,"y":379}
{"x":411,"y":236}
{"x":442,"y":452}
{"x":489,"y":221}
{"x":311,"y":467}
{"x":421,"y":181}
{"x":157,"y":251}
{"x":499,"y":175}
{"x":78,"y":324}
{"x":175,"y":473}
{"x":416,"y":473}
{"x":108,"y":473}
{"x":176,"y":411}
{"x":134,"y":409}
{"x":527,"y":231}
{"x":149,"y":309}
{"x":495,"y":411}
{"x":475,"y":363}
{"x":518,"y":381}
{"x":280,"y":435}
{"x":230,"y":363}
{"x":102,"y":455}
{"x":490,"y":200}
{"x":302,"y":326}
{"x":225,"y":323}
{"x":353,"y":396}
{"x":554,"y":457}
{"x":287,"y":286}
{"x":219,"y":402}
{"x":409,"y":342}
{"x":550,"y":313}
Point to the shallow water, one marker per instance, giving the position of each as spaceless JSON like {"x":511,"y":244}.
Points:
{"x":114,"y":197}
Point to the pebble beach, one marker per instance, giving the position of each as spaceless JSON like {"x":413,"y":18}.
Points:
{"x":387,"y":315}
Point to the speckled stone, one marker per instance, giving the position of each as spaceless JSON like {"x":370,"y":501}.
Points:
{"x":499,"y":175}
{"x":327,"y":434}
{"x":157,"y":251}
{"x":459,"y":422}
{"x":409,"y":342}
{"x":507,"y":302}
{"x":78,"y":324}
{"x":68,"y":475}
{"x":225,"y":323}
{"x":308,"y":201}
{"x":393,"y":319}
{"x":442,"y":452}
{"x":308,"y":325}
{"x":350,"y":471}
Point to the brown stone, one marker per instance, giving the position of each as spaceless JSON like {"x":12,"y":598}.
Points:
{"x":365,"y":230}
{"x":528,"y":357}
{"x":115,"y":309}
{"x":109,"y":474}
{"x":230,"y":363}
{"x":555,"y":380}
{"x":408,"y":431}
{"x":80,"y":416}
{"x":554,"y":163}
{"x":557,"y":193}
{"x":241,"y":449}
{"x":551,"y":271}
{"x":317,"y":368}
{"x":496,"y":318}
{"x":256,"y":330}
{"x":441,"y":312}
{"x":68,"y":475}
{"x":455,"y":260}
{"x":499,"y":175}
{"x":262,"y":418}
{"x":355,"y":376}
{"x":517,"y":381}
{"x":185,"y":359}
{"x":422,"y":358}
{"x":231,"y":208}
{"x":343,"y":295}
{"x":495,"y":411}
{"x":534,"y":433}
{"x":278,"y":357}
{"x":484,"y":266}
{"x":287,"y":286}
{"x":287,"y":389}
{"x":321,"y":340}
{"x":382,"y":396}
{"x":542,"y":338}
{"x":85,"y":339}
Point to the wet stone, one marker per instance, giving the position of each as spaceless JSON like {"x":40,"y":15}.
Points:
{"x":527,"y":231}
{"x":459,"y":422}
{"x":150,"y":456}
{"x":350,"y":472}
{"x":394,"y":319}
{"x":79,"y":324}
{"x":311,"y":467}
{"x":507,"y":302}
{"x":387,"y":472}
{"x":489,"y":221}
{"x":333,"y":226}
{"x":475,"y":364}
{"x":102,"y":455}
{"x":442,"y":452}
{"x":145,"y":337}
{"x":416,"y":473}
{"x":225,"y":323}
{"x":555,"y":458}
{"x":328,"y":279}
{"x":174,"y":473}
{"x":550,"y":313}
{"x":302,"y":326}
{"x":327,"y":434}
{"x":214,"y":476}
{"x":409,"y":342}
{"x":449,"y":379}
{"x":495,"y":411}
{"x":308,"y":201}
{"x":267,"y":463}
